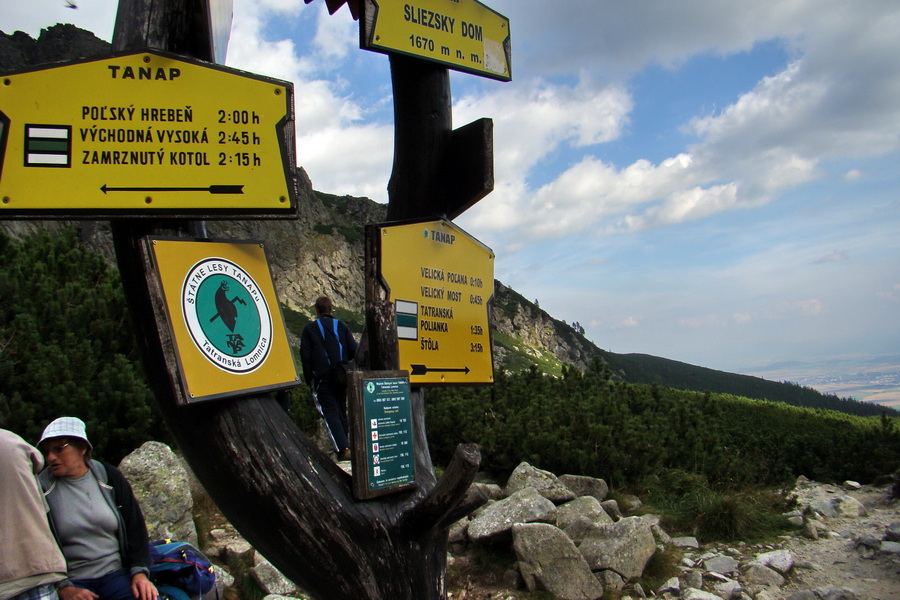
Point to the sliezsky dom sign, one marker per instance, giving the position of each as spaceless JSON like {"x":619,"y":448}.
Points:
{"x":464,"y":35}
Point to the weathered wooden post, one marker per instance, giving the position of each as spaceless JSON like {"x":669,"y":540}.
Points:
{"x":284,"y":495}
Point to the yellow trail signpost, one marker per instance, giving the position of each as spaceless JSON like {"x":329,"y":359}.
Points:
{"x":145,"y":133}
{"x":464,"y":35}
{"x":441,"y":281}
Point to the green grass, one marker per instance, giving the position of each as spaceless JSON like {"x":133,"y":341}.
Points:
{"x":688,"y":506}
{"x":521,"y":357}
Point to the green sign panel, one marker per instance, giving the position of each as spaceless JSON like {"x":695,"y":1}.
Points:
{"x":388,"y":436}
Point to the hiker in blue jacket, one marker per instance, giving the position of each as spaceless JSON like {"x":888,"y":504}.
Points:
{"x":325,"y":345}
{"x":96,"y":519}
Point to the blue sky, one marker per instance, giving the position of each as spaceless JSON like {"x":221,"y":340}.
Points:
{"x":712,"y":182}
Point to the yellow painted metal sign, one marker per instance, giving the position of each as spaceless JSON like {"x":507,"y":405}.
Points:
{"x":224,"y":318}
{"x":145,"y":133}
{"x":441,"y":282}
{"x":462,"y":34}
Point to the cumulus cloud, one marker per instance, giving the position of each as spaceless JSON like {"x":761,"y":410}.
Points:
{"x":534,"y":118}
{"x":830,"y":101}
{"x":629,"y":322}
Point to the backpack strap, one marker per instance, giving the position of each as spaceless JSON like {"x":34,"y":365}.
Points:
{"x":334,"y":322}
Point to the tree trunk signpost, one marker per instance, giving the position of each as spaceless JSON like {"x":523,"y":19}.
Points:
{"x":284,"y":495}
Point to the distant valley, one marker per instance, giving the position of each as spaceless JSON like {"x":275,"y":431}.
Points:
{"x":874,"y":379}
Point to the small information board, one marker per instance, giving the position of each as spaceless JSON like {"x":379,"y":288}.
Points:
{"x":146,"y":133}
{"x":441,"y":282}
{"x":464,"y":35}
{"x":218,"y":303}
{"x":383,"y":449}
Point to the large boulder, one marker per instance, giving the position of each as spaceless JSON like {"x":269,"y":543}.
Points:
{"x":624,"y":547}
{"x":840,"y":507}
{"x":548,"y":560}
{"x":585,"y":506}
{"x":545,"y":482}
{"x":780,"y":560}
{"x":270,"y":579}
{"x":759,"y":574}
{"x":495,"y":522}
{"x":160,"y":484}
{"x":586,"y":486}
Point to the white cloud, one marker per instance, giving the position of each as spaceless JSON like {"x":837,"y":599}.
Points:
{"x":776,"y":136}
{"x":891,"y":294}
{"x":836,"y":256}
{"x":533,"y":119}
{"x":343,"y":158}
{"x":810,"y":307}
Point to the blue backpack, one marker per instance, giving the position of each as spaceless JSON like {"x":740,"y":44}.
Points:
{"x":179,"y":570}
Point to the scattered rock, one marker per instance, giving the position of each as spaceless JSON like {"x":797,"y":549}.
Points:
{"x":586,"y":486}
{"x":779,"y":560}
{"x":612,"y":509}
{"x":548,"y":560}
{"x":624,"y":547}
{"x":270,"y":579}
{"x":842,"y":506}
{"x":525,"y":506}
{"x":759,"y":574}
{"x":724,"y":565}
{"x":544,"y":482}
{"x":685,"y":542}
{"x":583,"y":507}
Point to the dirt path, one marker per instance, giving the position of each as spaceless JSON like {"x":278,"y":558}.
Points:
{"x":833,"y":560}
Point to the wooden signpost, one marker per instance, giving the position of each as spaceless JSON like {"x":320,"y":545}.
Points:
{"x":243,"y":447}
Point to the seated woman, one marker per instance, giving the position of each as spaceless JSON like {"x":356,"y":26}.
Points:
{"x":96,"y":519}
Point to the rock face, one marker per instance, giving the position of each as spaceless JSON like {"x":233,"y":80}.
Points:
{"x":55,"y":44}
{"x":160,"y":483}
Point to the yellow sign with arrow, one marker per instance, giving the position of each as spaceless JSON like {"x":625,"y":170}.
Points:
{"x":441,"y":281}
{"x":145,"y":133}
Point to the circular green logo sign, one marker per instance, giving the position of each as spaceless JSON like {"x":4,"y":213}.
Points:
{"x":227,"y":315}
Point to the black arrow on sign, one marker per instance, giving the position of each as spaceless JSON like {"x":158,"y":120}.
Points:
{"x":423,"y":369}
{"x":213,"y":189}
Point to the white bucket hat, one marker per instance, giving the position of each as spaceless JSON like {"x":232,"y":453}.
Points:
{"x":66,"y":427}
